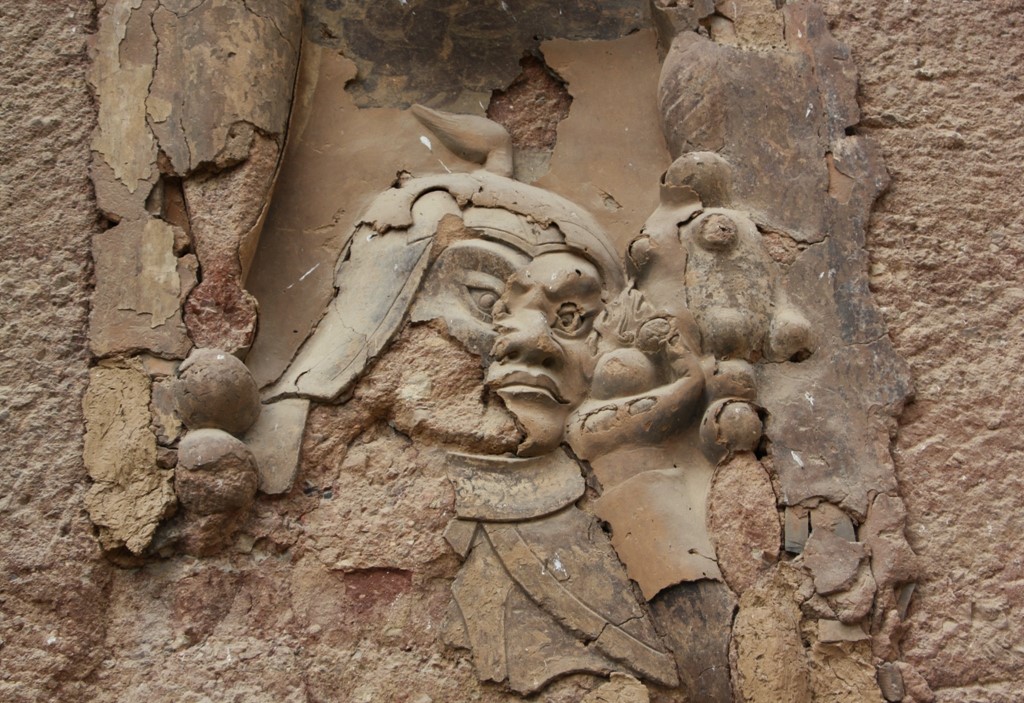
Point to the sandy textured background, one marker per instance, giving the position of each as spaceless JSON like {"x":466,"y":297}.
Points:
{"x":943,"y":95}
{"x":942,"y":90}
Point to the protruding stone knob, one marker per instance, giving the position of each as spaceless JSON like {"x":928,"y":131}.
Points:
{"x":729,"y":426}
{"x":215,"y":389}
{"x":216,"y":473}
{"x":790,"y":336}
{"x":717,"y":233}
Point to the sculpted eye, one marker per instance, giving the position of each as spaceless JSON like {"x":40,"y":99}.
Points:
{"x":483,"y":298}
{"x":569,"y":318}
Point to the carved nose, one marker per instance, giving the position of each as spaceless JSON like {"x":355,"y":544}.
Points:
{"x":528,"y":342}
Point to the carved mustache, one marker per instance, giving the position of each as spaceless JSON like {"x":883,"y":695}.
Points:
{"x":542,"y":382}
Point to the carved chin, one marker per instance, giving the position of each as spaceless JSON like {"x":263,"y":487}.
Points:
{"x":541,"y":418}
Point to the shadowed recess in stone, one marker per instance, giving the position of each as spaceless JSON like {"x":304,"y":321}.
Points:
{"x":453,"y":53}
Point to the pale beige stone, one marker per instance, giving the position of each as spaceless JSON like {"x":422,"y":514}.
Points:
{"x":124,"y":58}
{"x":770,"y":661}
{"x":622,"y":688}
{"x":835,"y":631}
{"x":129,"y":495}
{"x":842,"y":672}
{"x":139,"y":288}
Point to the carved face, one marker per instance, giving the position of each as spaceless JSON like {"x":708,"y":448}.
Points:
{"x":463,"y":286}
{"x":543,"y":357}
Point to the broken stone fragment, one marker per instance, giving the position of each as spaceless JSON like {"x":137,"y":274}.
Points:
{"x":887,"y":628}
{"x":166,"y":423}
{"x":903,"y":595}
{"x":124,"y":55}
{"x":854,"y":603}
{"x":622,"y":688}
{"x":832,"y":561}
{"x":826,"y":516}
{"x":216,"y":473}
{"x":220,"y":313}
{"x":215,"y":389}
{"x":275,"y":441}
{"x":892,"y":559}
{"x":770,"y":660}
{"x":130,"y":495}
{"x":835,"y":631}
{"x":890,"y":680}
{"x":797,"y":529}
{"x":113,"y":198}
{"x":817,"y":607}
{"x":139,"y":288}
{"x":158,"y":368}
{"x":743,"y":521}
{"x":166,"y":458}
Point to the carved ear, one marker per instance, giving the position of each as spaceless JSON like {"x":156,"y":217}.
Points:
{"x":476,"y":139}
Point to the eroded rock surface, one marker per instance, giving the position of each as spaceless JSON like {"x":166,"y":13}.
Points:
{"x":953,"y":305}
{"x":140,"y":288}
{"x":130,"y":494}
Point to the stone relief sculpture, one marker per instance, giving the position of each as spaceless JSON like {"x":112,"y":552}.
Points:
{"x":518,"y":275}
{"x":584,"y":354}
{"x":649,"y":488}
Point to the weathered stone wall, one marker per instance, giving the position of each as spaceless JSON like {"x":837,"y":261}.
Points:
{"x":940,"y":93}
{"x":53,"y":579}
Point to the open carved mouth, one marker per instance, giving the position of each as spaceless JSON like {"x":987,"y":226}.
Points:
{"x":523,"y":383}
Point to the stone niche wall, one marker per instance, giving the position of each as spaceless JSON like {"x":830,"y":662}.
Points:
{"x":261,"y":536}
